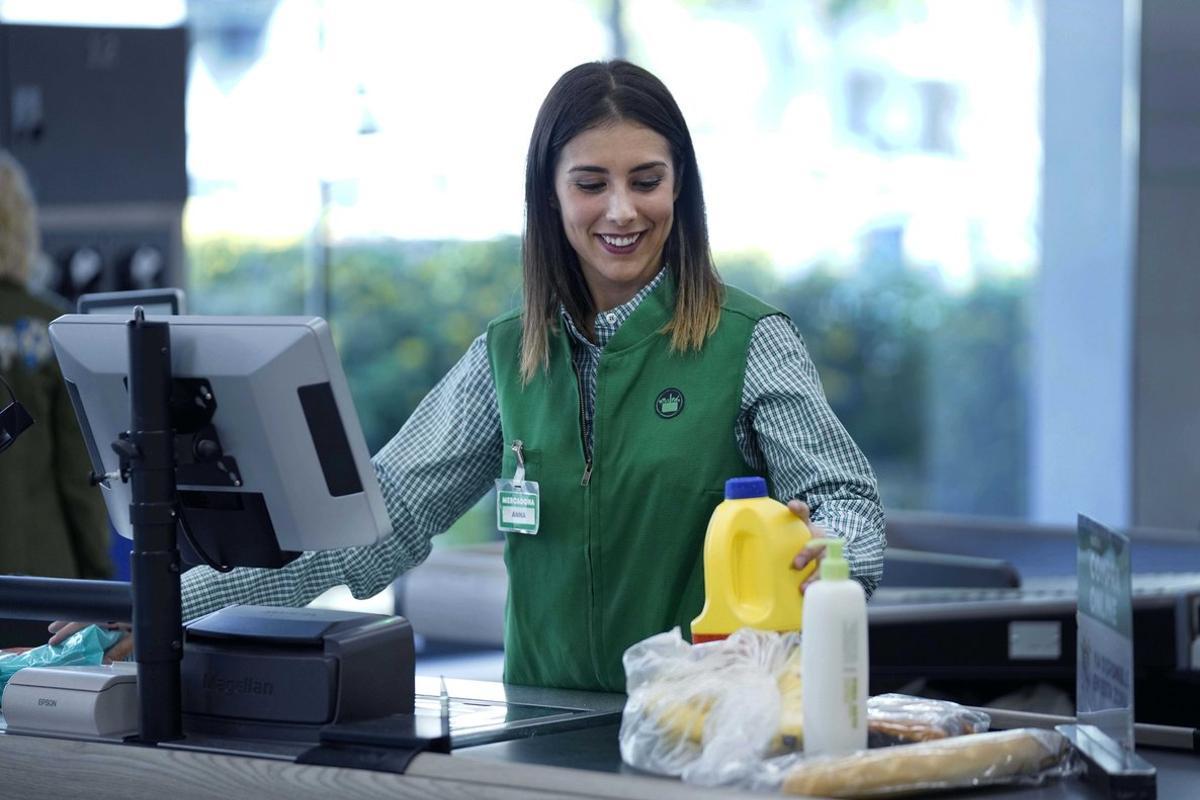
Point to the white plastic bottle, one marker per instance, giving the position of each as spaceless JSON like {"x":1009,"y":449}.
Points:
{"x":833,"y":659}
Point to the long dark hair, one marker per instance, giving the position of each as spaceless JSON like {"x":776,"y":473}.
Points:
{"x":589,"y":95}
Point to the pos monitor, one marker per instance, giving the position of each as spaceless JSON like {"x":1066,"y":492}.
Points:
{"x":269,"y":456}
{"x":152,"y":301}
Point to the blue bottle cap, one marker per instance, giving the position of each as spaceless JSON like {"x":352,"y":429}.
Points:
{"x":741,"y":488}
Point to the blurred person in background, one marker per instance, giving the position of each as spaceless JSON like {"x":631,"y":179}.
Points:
{"x":52,"y":522}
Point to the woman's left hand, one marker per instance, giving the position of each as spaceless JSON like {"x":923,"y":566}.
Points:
{"x":120,"y":651}
{"x":809,"y":554}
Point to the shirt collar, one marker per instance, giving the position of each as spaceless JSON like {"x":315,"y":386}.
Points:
{"x":609,"y":322}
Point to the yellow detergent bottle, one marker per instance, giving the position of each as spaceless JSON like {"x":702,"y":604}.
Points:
{"x":748,"y":576}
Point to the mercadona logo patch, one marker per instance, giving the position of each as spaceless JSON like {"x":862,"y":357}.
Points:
{"x":669,"y":403}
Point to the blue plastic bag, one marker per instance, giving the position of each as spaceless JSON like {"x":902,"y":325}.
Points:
{"x":85,"y":647}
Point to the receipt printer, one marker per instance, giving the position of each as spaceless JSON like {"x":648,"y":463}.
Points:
{"x":273,"y":672}
{"x":92,"y":701}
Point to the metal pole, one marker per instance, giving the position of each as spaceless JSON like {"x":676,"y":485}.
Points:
{"x":616,"y":27}
{"x":325,"y":253}
{"x":24,"y":597}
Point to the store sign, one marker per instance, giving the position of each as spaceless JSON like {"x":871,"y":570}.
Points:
{"x":1104,"y":665}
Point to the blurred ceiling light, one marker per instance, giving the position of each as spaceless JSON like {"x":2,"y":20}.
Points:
{"x":126,"y":14}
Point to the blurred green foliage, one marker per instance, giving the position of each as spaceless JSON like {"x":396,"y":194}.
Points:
{"x":405,"y":313}
{"x":931,"y":384}
{"x":402,"y":312}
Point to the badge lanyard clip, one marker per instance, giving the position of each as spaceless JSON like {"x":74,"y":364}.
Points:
{"x":518,"y":478}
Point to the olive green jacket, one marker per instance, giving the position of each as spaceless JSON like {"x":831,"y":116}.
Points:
{"x":52,"y":522}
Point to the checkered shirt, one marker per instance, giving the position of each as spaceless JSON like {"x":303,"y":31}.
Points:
{"x":448,"y":454}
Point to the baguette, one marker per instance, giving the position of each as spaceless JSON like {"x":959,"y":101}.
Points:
{"x":970,"y":760}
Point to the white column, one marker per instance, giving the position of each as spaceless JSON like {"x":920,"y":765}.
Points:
{"x":1166,"y":381}
{"x":1082,"y":320}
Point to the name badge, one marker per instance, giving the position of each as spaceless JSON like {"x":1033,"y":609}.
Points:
{"x":517,"y":507}
{"x":518,"y":502}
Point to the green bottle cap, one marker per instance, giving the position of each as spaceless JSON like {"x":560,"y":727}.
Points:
{"x":833,"y":565}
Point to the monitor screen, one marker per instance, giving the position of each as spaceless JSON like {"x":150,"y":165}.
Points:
{"x":293,"y":467}
{"x":152,"y":301}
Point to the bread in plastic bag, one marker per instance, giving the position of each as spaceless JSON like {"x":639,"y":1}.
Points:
{"x":729,"y":713}
{"x":1023,"y":755}
{"x":686,"y":699}
{"x":901,"y":718}
{"x":710,"y":705}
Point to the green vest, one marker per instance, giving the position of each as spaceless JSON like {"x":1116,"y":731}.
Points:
{"x":620,"y":558}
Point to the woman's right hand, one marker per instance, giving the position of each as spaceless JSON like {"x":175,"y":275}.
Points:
{"x":810,"y":553}
{"x":61,"y":630}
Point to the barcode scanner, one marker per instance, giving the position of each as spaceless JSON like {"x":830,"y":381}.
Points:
{"x":14,"y":419}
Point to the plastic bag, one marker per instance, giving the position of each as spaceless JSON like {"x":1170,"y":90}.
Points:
{"x":729,"y":713}
{"x":708,"y":711}
{"x":901,"y":718}
{"x":1024,"y":755}
{"x":85,"y":647}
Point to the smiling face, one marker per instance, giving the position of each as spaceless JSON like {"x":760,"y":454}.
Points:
{"x":615,"y":186}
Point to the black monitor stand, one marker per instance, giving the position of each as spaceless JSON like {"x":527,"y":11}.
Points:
{"x":147,"y":454}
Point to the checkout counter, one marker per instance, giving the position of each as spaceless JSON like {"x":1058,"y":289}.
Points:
{"x":571,"y":753}
{"x":497,"y":740}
